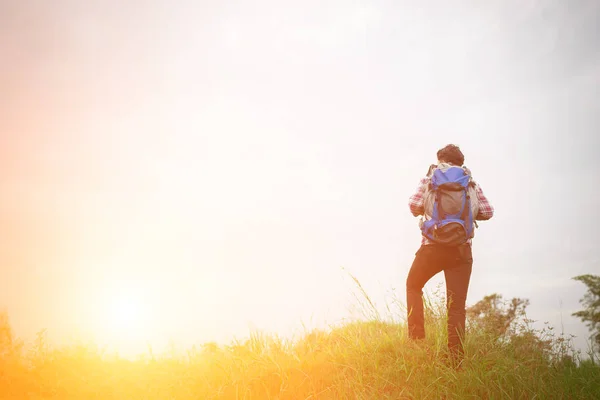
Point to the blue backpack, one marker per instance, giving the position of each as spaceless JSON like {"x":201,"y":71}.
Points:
{"x":451,"y":220}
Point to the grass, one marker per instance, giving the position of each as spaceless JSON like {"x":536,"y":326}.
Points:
{"x":369,"y":359}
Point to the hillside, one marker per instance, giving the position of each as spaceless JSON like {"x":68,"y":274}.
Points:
{"x":358,"y":360}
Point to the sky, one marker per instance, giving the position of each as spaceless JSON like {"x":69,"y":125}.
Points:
{"x":194,"y":171}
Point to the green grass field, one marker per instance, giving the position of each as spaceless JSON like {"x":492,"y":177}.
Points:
{"x":370,"y":359}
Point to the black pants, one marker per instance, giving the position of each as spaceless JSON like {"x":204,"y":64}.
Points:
{"x":456,"y":262}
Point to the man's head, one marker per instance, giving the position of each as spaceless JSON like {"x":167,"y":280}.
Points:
{"x":451,"y":154}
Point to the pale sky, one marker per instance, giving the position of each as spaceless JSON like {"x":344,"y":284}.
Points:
{"x":210,"y":166}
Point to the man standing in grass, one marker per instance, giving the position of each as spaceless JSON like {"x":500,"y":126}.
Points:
{"x":448,"y":201}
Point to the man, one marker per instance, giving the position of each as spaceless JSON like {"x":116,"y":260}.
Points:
{"x":453,"y":257}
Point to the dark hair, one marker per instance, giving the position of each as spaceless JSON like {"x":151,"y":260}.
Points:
{"x":451,"y":154}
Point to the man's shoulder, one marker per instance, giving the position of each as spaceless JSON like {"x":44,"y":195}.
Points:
{"x":424,"y":184}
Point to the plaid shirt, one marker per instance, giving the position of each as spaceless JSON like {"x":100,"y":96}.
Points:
{"x":417,"y":207}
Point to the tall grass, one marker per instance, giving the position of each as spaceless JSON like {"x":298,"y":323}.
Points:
{"x":368,"y":359}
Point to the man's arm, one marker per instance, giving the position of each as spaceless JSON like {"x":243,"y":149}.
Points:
{"x":486,"y":210}
{"x":416,"y":201}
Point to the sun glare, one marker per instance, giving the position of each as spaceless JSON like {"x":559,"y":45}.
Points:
{"x":122,"y":320}
{"x":126,"y":314}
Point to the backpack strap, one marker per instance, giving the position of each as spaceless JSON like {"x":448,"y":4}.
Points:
{"x":467,"y":205}
{"x":440,"y":211}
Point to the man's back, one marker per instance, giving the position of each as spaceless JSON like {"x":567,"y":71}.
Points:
{"x":420,"y":203}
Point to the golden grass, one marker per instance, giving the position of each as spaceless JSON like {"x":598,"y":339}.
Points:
{"x":362,"y":360}
{"x":370,"y":359}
